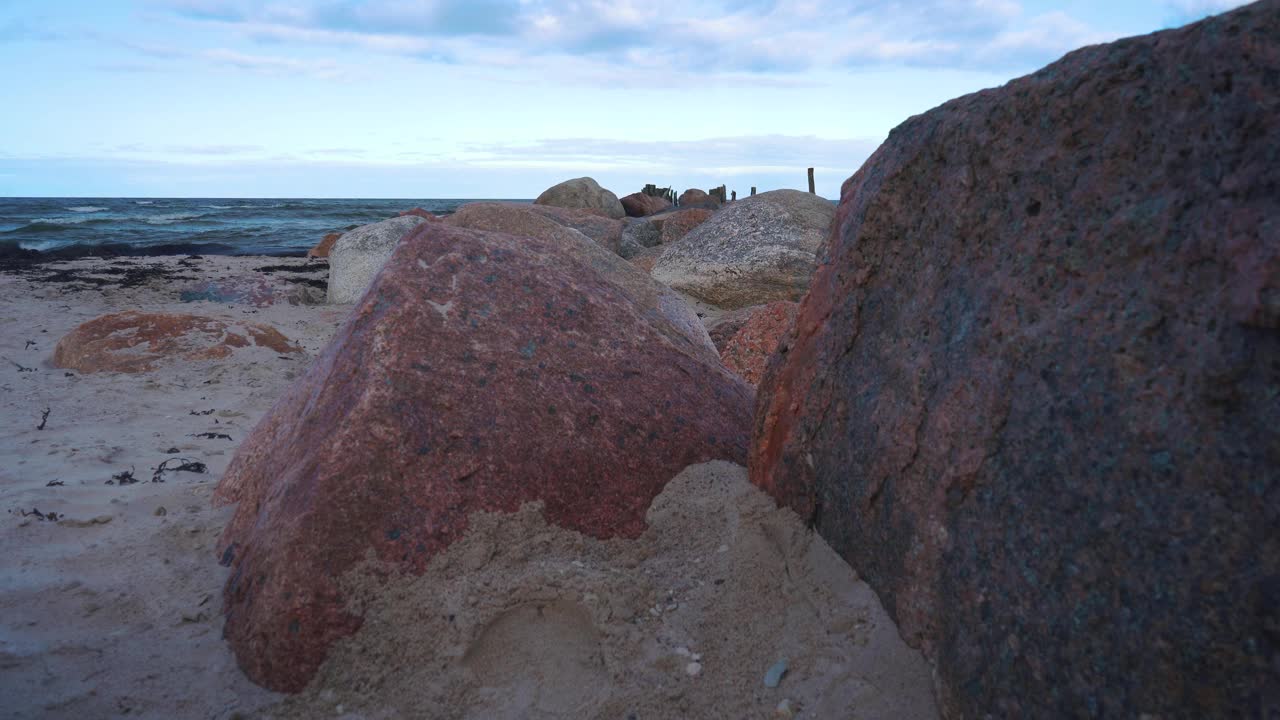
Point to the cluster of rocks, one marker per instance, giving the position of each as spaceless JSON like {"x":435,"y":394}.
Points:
{"x":739,"y":256}
{"x":504,"y":354}
{"x":1024,"y":379}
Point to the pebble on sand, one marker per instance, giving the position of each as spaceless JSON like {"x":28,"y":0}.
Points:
{"x":774,"y":674}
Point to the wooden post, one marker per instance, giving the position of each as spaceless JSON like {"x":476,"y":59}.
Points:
{"x":735,"y":195}
{"x":811,"y":180}
{"x":753,"y":189}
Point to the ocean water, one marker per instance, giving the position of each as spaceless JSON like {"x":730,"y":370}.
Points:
{"x":172,"y":226}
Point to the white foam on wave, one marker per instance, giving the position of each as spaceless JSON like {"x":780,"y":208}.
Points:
{"x":60,"y":221}
{"x":144,"y":202}
{"x":172,"y":218}
{"x":39,"y":245}
{"x":218,"y":207}
{"x":86,"y":208}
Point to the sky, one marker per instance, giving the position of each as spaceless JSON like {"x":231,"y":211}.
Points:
{"x":499,"y":98}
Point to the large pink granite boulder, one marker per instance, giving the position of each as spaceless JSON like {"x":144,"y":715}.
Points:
{"x":670,"y":313}
{"x":1033,"y":393}
{"x":134,"y":342}
{"x":480,"y":372}
{"x":603,"y":230}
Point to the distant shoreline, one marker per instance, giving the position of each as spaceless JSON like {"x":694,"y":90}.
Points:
{"x":36,"y":229}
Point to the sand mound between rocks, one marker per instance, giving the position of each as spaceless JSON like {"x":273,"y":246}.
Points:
{"x":524,"y":620}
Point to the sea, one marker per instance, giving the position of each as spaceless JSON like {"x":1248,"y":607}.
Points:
{"x":74,"y":227}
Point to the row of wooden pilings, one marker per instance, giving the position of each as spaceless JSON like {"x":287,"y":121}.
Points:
{"x":655,"y":191}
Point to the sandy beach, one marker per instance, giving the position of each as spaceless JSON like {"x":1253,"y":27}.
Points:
{"x":111,"y":594}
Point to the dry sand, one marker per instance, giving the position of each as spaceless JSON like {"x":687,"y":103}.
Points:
{"x":114,"y":608}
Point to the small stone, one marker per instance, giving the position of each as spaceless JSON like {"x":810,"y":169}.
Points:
{"x":161,"y":512}
{"x":722,"y":549}
{"x":683,"y":651}
{"x":784,"y":709}
{"x":774,"y":674}
{"x":693,"y":669}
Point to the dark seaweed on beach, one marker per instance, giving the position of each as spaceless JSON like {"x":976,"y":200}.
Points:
{"x":212,"y":436}
{"x":44,"y":418}
{"x":123,"y":478}
{"x":125,"y":276}
{"x":312,"y":282}
{"x":183,"y":465}
{"x":52,"y":516}
{"x":29,"y":344}
{"x":203,"y":412}
{"x":54,"y":483}
{"x":74,"y":276}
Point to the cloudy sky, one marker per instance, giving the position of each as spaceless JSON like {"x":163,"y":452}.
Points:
{"x":499,"y":98}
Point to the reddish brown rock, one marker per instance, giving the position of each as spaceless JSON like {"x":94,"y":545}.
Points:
{"x":132,"y":342}
{"x":321,"y":250}
{"x":480,"y":372}
{"x":641,"y":205}
{"x":693,"y":197}
{"x":419,"y":212}
{"x":1032,"y":391}
{"x":749,"y":349}
{"x":679,"y":223}
{"x":723,"y":327}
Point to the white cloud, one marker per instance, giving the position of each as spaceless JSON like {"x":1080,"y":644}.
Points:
{"x":755,"y":36}
{"x":272,"y":65}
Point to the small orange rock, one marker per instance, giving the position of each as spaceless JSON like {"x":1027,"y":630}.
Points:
{"x":325,"y":246}
{"x":133,"y":341}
